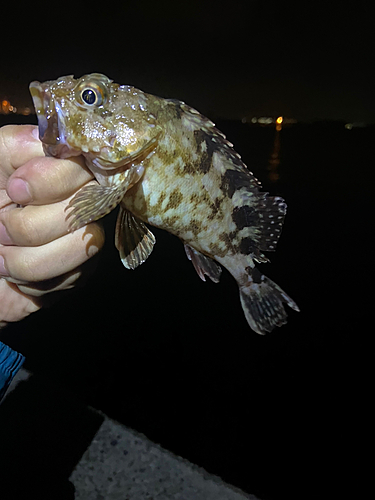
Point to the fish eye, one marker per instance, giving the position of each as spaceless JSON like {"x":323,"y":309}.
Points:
{"x":90,"y":95}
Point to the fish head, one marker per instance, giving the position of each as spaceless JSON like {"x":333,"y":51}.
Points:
{"x":109,"y":124}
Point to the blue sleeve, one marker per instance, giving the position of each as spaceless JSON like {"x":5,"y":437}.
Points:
{"x":10,"y":362}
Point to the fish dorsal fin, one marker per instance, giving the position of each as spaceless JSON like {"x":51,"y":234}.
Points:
{"x":203,"y":265}
{"x":260,"y":218}
{"x":272,"y":210}
{"x":133,"y":239}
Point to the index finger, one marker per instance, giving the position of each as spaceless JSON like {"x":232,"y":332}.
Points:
{"x":18,"y":145}
{"x":46,"y":180}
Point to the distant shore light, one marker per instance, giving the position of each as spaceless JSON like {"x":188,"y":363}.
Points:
{"x":4,"y":107}
{"x":265,"y":120}
{"x":279,"y":120}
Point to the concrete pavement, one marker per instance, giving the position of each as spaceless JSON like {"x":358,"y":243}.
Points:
{"x":121,"y":464}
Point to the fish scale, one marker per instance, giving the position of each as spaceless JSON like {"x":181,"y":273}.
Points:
{"x":184,"y":201}
{"x":166,"y":165}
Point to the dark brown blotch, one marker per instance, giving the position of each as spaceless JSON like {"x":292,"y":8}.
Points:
{"x":171,"y":222}
{"x":245,"y":217}
{"x":194,"y":198}
{"x":256,"y":275}
{"x":178,"y":109}
{"x":175,"y":198}
{"x":224,"y":237}
{"x":215,"y":249}
{"x":157,"y":208}
{"x":195,"y":226}
{"x":205,"y":160}
{"x":233,"y":180}
{"x":247,"y":246}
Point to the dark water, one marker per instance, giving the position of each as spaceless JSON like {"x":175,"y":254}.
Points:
{"x":170,"y":356}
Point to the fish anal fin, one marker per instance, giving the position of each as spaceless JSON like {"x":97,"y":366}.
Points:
{"x":203,"y":264}
{"x":133,"y":239}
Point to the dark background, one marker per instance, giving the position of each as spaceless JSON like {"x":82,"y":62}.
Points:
{"x":304,"y":60}
{"x":279,"y":416}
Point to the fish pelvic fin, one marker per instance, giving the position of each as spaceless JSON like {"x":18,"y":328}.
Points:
{"x":262,"y":302}
{"x":133,"y":239}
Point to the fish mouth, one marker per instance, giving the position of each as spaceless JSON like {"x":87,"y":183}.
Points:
{"x":50,"y":121}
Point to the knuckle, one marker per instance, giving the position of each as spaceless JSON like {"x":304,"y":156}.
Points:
{"x":6,"y":140}
{"x":20,"y":265}
{"x":17,"y":146}
{"x":23,"y":227}
{"x":26,"y":268}
{"x":54,"y":179}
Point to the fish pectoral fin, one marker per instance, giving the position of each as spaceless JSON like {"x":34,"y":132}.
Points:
{"x":94,"y":201}
{"x":91,"y":203}
{"x":133,"y":239}
{"x":203,"y":264}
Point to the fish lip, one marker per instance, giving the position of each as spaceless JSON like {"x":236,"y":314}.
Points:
{"x":52,"y":131}
{"x":37,"y":94}
{"x":47,"y":123}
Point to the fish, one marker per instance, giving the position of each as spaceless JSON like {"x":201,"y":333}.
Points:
{"x":166,"y":165}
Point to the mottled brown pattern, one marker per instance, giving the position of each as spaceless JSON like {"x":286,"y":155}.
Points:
{"x":158,"y":207}
{"x":188,"y":180}
{"x":234,"y":180}
{"x":225,"y":238}
{"x":172,"y":222}
{"x":218,"y":249}
{"x":195,"y":226}
{"x":194,"y":198}
{"x":167,"y":156}
{"x":174,"y":199}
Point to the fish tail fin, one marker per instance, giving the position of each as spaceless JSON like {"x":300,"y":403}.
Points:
{"x":262,"y":301}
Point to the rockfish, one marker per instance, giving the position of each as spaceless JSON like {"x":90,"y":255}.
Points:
{"x":166,"y":165}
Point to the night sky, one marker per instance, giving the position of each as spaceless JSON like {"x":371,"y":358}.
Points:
{"x":307,"y":60}
{"x":166,"y":354}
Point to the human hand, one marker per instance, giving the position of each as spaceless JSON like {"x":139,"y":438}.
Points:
{"x":37,"y":254}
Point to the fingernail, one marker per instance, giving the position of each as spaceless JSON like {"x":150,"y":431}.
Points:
{"x":5,"y":239}
{"x":35,"y":133}
{"x":3,"y":271}
{"x":18,"y":191}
